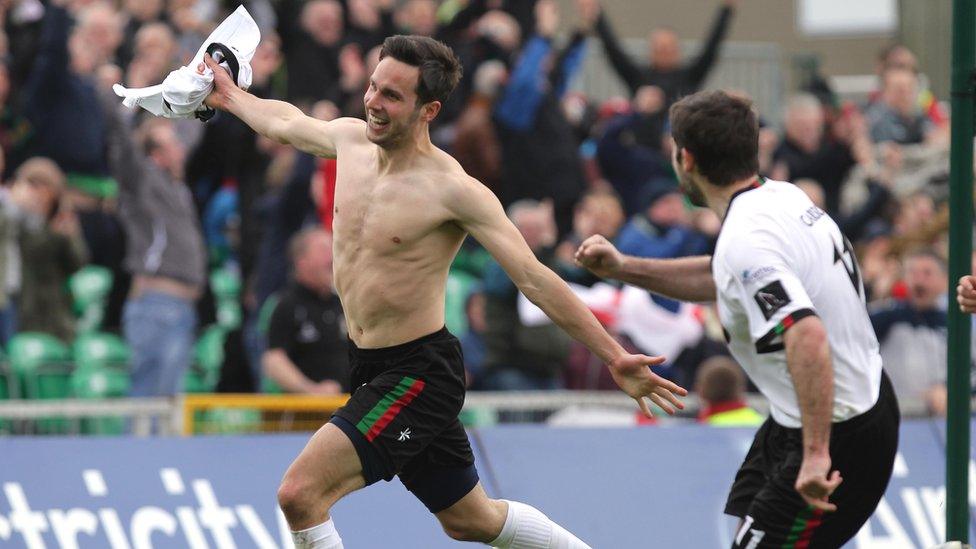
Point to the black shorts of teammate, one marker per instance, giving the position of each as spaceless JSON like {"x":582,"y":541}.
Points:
{"x":402,"y":418}
{"x":764,"y":494}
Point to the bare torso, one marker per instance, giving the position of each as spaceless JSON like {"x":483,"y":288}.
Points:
{"x":394,"y":241}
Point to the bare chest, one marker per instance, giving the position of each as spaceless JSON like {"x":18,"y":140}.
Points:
{"x":383,"y":215}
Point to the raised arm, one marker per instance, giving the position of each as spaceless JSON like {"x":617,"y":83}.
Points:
{"x":808,"y":359}
{"x":626,"y":69}
{"x":477,"y":211}
{"x":706,"y":59}
{"x":278,"y":120}
{"x":684,"y":278}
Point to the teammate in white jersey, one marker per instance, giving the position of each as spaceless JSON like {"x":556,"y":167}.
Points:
{"x":791,"y":300}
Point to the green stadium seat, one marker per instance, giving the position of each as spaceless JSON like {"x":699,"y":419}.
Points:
{"x":229,"y":314}
{"x":208,"y":357}
{"x":9,"y":388}
{"x":270,"y":387}
{"x":226,"y":287}
{"x":42,"y":364}
{"x":459,"y":286}
{"x":90,"y":287}
{"x":101,"y":371}
{"x":264,"y":322}
{"x":99,"y":350}
{"x":471,"y":260}
{"x":225,"y":284}
{"x":98,"y":382}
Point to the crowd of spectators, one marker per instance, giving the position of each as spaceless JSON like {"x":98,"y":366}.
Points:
{"x":161,"y":204}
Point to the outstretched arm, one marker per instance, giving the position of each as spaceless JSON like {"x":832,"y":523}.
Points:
{"x":683,"y":278}
{"x":808,"y":359}
{"x":477,"y":211}
{"x":283,"y":122}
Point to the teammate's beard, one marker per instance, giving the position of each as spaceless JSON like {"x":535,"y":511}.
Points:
{"x":691,"y":190}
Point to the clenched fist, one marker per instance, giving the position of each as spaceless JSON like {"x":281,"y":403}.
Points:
{"x":599,"y":256}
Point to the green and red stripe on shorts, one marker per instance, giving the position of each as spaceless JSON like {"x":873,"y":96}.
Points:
{"x":389,"y":407}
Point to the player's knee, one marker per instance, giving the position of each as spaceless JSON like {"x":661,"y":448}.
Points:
{"x":297,"y":497}
{"x":465,"y":530}
{"x":468,"y":528}
{"x":292,"y":497}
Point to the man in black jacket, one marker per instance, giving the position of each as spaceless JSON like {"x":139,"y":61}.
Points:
{"x":664,"y":68}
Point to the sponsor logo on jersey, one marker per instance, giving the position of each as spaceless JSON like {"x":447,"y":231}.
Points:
{"x":754,"y":275}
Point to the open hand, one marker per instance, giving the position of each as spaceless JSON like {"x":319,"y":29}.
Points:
{"x":599,"y":256}
{"x":814,"y":484}
{"x":632,"y":375}
{"x":966,"y":294}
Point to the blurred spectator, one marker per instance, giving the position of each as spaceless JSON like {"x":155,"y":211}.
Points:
{"x":229,"y":159}
{"x":518,"y":356}
{"x":540,"y":156}
{"x":16,"y":132}
{"x":311,"y":35}
{"x":662,"y":228}
{"x":50,"y":247}
{"x":155,"y":55}
{"x":476,"y":145}
{"x":880,"y":269}
{"x":626,"y":163}
{"x":370,"y":21}
{"x":721,"y":387}
{"x":61,"y":98}
{"x":140,"y":13}
{"x":598,"y":212}
{"x":285,"y":211}
{"x":912,"y":333}
{"x":853,"y":224}
{"x":165,"y":252}
{"x":898,"y":55}
{"x":473,"y":339}
{"x":664,"y":69}
{"x":307,"y":342}
{"x":896,"y":116}
{"x":418,"y":17}
{"x":808,"y":151}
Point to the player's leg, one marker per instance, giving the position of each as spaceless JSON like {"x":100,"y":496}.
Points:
{"x":504,"y":524}
{"x":327,"y":469}
{"x":444,"y":479}
{"x":862,"y":449}
{"x":750,"y":478}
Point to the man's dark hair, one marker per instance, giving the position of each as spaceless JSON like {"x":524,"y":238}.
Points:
{"x":440,"y":69}
{"x":722,"y":132}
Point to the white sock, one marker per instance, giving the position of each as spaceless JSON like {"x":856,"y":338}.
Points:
{"x":528,"y":528}
{"x":323,"y":536}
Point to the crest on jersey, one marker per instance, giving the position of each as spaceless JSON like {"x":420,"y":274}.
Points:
{"x":771,"y":298}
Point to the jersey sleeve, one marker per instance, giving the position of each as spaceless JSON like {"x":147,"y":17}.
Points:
{"x":767,"y":286}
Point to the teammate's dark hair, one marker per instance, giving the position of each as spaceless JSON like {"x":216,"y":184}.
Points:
{"x":440,"y":69}
{"x":721,"y":131}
